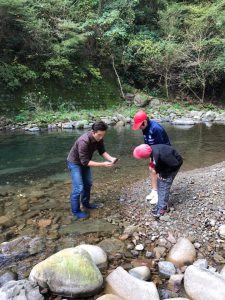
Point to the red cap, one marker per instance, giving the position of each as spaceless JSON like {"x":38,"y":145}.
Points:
{"x":138,"y":119}
{"x":142,"y":151}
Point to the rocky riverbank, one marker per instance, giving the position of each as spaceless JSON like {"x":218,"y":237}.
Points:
{"x":33,"y":228}
{"x":175,"y":113}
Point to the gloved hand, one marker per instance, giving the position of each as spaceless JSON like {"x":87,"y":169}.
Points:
{"x":151,"y":165}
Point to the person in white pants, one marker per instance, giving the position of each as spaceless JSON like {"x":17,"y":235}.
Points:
{"x":154,"y":134}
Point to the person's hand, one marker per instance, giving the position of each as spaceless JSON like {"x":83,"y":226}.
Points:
{"x":114,"y":160}
{"x":107,"y":164}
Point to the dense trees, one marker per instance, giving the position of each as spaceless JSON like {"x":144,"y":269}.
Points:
{"x":165,"y":47}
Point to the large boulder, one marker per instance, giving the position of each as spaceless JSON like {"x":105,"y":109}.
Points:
{"x":203,"y":284}
{"x":109,"y":297}
{"x":70,"y":272}
{"x":141,"y":100}
{"x":183,"y":253}
{"x":122,"y":284}
{"x":20,"y":290}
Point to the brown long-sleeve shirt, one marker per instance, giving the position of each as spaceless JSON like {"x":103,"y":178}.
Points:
{"x":84,"y":147}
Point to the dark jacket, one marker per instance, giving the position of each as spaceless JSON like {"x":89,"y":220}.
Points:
{"x":83,"y":149}
{"x":154,"y":133}
{"x":167,"y":160}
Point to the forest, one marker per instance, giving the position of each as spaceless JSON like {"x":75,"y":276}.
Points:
{"x":165,"y":48}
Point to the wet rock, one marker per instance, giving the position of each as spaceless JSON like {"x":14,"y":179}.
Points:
{"x":120,"y":283}
{"x":7,"y":276}
{"x":22,"y":289}
{"x":182,"y":253}
{"x":97,"y":254}
{"x":202,"y":284}
{"x":142,"y":273}
{"x":70,"y":272}
{"x":166,"y":269}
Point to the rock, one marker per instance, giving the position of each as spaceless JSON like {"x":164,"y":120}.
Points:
{"x":141,"y":100}
{"x":67,"y":125}
{"x":201,"y":263}
{"x":7,"y":276}
{"x":129,"y":97}
{"x":112,"y":245}
{"x":175,"y":282}
{"x":202,"y":284}
{"x":22,"y":289}
{"x":70,"y":272}
{"x":183,"y":121}
{"x":121,"y":118}
{"x":222,"y":272}
{"x":6,"y":222}
{"x":142,"y":273}
{"x":182,"y":253}
{"x":222,"y":231}
{"x":139,"y":247}
{"x":120,"y":124}
{"x":154,"y":102}
{"x":159,"y":252}
{"x":43,"y":223}
{"x":97,"y":254}
{"x":109,"y":297}
{"x":81,"y":124}
{"x":166,"y":269}
{"x":209,"y":116}
{"x":176,"y":299}
{"x":120,"y":283}
{"x":19,"y":249}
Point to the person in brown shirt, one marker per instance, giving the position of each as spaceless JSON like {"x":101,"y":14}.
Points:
{"x":79,"y":162}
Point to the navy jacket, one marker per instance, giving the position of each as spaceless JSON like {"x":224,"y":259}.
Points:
{"x":155,"y":134}
{"x":167,"y":160}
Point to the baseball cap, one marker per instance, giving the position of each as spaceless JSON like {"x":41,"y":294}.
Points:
{"x":139,"y":117}
{"x":142,"y":151}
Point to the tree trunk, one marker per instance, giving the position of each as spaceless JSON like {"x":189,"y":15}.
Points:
{"x":118,"y":78}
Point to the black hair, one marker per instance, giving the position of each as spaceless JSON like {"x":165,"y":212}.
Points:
{"x":100,"y":125}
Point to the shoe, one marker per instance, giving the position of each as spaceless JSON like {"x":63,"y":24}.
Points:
{"x":151,"y":195}
{"x":157,"y":213}
{"x":155,"y":209}
{"x":154,"y":199}
{"x":81,"y":215}
{"x":93,"y":205}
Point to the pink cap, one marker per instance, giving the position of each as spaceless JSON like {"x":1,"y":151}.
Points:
{"x":139,"y":117}
{"x":142,"y":151}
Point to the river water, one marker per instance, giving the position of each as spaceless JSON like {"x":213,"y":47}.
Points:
{"x":30,"y":157}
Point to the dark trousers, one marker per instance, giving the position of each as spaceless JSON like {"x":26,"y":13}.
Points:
{"x":81,"y":185}
{"x":163,"y":188}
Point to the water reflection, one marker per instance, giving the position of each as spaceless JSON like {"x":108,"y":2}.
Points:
{"x":28,"y":157}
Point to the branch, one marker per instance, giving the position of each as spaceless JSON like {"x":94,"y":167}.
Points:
{"x":114,"y":68}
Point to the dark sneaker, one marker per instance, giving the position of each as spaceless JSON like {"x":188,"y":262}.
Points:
{"x":159,"y":213}
{"x":81,"y":215}
{"x":155,"y":209}
{"x":93,"y":205}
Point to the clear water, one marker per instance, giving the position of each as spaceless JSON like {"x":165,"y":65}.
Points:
{"x":29,"y":157}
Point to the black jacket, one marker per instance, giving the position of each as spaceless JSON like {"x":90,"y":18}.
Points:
{"x":167,"y":159}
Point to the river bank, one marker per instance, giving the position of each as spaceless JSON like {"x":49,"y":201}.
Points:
{"x":124,"y":228}
{"x":178,"y":113}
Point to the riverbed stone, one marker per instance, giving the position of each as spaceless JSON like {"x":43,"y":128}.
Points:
{"x":112,"y":245}
{"x":88,"y":226}
{"x":97,"y":254}
{"x":122,"y":284}
{"x":166,"y":269}
{"x":202,"y":284}
{"x":222,"y":231}
{"x":21,"y":289}
{"x":183,"y":121}
{"x":175,"y":282}
{"x":6,"y":221}
{"x":109,"y":297}
{"x":142,"y":273}
{"x":7,"y":276}
{"x":201,"y":263}
{"x":182,"y":253}
{"x":222,"y":272}
{"x":19,"y":249}
{"x":70,"y":272}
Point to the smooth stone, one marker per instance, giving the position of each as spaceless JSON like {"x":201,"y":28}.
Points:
{"x":7,"y":276}
{"x":142,"y":273}
{"x":122,"y":284}
{"x":70,"y":272}
{"x":222,"y":231}
{"x":222,"y":272}
{"x":202,"y":284}
{"x":97,"y":254}
{"x":182,"y":253}
{"x":201,"y":263}
{"x":112,"y":245}
{"x":166,"y":269}
{"x":183,"y":121}
{"x":109,"y":297}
